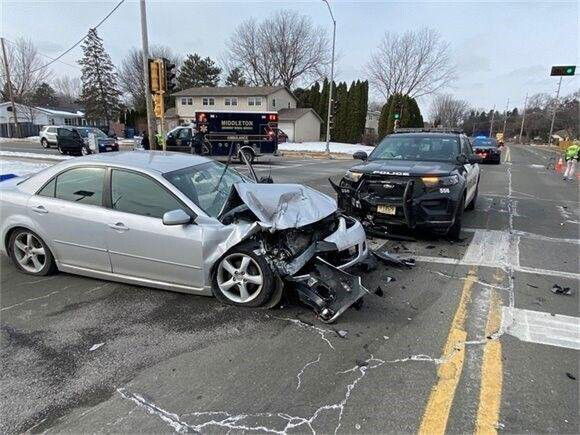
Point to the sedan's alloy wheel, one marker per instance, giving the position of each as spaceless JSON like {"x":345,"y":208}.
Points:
{"x":240,"y":278}
{"x":29,"y":252}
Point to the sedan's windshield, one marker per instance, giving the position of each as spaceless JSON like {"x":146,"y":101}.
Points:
{"x":207,"y":185}
{"x":484,"y":142}
{"x":398,"y":147}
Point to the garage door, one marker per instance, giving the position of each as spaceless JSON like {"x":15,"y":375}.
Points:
{"x":288,"y":129}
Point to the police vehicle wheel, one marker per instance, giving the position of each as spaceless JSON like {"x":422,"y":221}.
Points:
{"x":243,"y":278}
{"x":455,"y":230}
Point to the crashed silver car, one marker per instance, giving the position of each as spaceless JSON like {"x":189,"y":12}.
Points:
{"x":184,"y":223}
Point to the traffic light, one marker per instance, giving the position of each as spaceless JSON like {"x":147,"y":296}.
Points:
{"x":396,"y":124}
{"x":155,"y":76}
{"x":158,"y":105}
{"x":569,"y":70}
{"x":170,"y":75}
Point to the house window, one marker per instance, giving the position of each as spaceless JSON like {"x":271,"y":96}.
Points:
{"x":254,"y":101}
{"x":208,"y":101}
{"x":273,"y":102}
{"x":288,"y":104}
{"x":67,"y":121}
{"x":183,"y":101}
{"x":190,"y":101}
{"x":231,"y":101}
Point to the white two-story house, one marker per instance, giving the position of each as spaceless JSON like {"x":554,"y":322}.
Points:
{"x":249,"y":99}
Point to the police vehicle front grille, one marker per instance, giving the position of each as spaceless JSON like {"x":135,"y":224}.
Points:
{"x":384,"y":187}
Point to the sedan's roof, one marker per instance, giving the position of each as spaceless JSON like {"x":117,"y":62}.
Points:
{"x":159,"y":161}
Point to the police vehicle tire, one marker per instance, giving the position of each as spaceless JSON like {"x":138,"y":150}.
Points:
{"x":229,"y":274}
{"x":472,"y":203}
{"x":455,"y":229}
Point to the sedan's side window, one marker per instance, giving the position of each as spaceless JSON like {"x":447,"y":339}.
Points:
{"x":81,"y":185}
{"x":138,"y":194}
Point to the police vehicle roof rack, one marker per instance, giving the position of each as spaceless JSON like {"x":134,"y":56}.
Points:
{"x":429,"y":130}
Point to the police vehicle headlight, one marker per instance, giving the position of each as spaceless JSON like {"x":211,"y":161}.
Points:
{"x":450,"y":180}
{"x":353,"y":176}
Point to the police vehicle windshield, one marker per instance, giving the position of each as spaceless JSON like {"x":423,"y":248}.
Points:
{"x":417,"y":147}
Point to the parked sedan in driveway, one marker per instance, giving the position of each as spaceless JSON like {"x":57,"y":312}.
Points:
{"x":184,"y":223}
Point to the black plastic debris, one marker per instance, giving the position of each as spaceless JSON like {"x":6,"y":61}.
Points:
{"x":379,"y":292}
{"x":361,"y":363}
{"x":393,"y":260}
{"x":531,"y":285}
{"x":571,"y":376}
{"x":559,"y":290}
{"x":430,"y":247}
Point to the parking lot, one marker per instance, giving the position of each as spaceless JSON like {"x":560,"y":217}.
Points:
{"x":83,"y":355}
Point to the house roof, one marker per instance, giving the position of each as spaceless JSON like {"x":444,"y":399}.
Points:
{"x":294,"y":114}
{"x":228,"y":91}
{"x":56,"y":112}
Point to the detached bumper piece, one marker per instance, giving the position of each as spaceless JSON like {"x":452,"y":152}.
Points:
{"x":393,"y":260}
{"x":328,"y":290}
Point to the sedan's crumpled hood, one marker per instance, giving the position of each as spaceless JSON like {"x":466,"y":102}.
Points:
{"x":282,"y":206}
{"x":404,"y":167}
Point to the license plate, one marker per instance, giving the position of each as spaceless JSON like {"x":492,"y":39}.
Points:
{"x":387,"y":209}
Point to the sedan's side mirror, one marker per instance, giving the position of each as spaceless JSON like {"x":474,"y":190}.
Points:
{"x":176,"y":217}
{"x":474,"y":158}
{"x":360,"y":155}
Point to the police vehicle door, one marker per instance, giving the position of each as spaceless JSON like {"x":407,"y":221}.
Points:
{"x":471,"y":169}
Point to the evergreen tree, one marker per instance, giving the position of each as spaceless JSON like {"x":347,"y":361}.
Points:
{"x":100,"y":92}
{"x":341,"y":126}
{"x":314,"y":98}
{"x":235,"y":78}
{"x":196,"y":72}
{"x":44,"y":95}
{"x":302,"y":97}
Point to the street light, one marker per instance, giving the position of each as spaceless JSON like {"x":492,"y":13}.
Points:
{"x":331,"y":79}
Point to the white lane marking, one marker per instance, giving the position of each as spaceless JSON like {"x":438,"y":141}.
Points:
{"x":544,"y":328}
{"x":488,"y":248}
{"x":29,"y":300}
{"x":527,"y":235}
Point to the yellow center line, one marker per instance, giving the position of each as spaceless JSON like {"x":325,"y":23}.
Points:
{"x":436,"y":413}
{"x":491,"y":373}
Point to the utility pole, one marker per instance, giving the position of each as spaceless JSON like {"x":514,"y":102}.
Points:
{"x":523,"y":118}
{"x":554,"y":112}
{"x":10,"y":94}
{"x":505,"y":118}
{"x":491,"y":125}
{"x":331,"y":80}
{"x":148,"y":100}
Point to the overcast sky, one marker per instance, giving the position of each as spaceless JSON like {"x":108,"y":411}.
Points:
{"x":502,"y":49}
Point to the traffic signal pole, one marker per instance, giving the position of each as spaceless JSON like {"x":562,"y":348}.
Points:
{"x":554,"y":112}
{"x":148,"y":98}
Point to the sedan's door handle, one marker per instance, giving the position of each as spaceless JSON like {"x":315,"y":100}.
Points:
{"x":39,"y":209}
{"x":119,"y":226}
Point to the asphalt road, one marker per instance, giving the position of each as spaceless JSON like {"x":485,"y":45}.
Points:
{"x":27,"y":147}
{"x":451,"y":344}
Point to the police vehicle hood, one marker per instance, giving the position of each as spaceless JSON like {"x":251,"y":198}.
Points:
{"x":404,"y":168}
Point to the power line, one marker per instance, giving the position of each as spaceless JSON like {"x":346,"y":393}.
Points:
{"x":80,"y":40}
{"x":45,"y":55}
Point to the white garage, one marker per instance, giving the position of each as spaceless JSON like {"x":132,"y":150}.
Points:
{"x":300,"y":124}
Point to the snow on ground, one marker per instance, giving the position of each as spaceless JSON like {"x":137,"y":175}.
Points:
{"x":20,"y":168}
{"x":24,"y":139}
{"x":320,"y":147}
{"x":17,"y":154}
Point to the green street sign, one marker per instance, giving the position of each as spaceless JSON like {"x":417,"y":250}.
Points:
{"x":566,"y":70}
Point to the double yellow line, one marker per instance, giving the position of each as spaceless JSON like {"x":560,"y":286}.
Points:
{"x":440,"y":401}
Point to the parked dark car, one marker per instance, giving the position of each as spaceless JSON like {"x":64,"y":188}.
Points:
{"x":487,"y":148}
{"x":75,"y":141}
{"x":414,"y":179}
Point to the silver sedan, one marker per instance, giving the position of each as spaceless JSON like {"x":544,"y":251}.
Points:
{"x":176,"y":222}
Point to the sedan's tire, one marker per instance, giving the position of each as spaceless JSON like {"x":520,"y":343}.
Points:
{"x":472,"y":203}
{"x":455,"y":230}
{"x":243,"y":278}
{"x":60,"y":150}
{"x":30,"y":254}
{"x":44,"y":143}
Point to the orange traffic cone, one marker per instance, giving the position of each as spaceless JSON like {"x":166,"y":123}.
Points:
{"x":560,"y":166}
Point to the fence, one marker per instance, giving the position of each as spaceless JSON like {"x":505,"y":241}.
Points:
{"x":26,"y":129}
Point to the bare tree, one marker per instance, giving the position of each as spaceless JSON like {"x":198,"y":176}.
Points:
{"x":447,"y":111}
{"x":131,"y":73}
{"x":416,"y":63}
{"x":26,"y":69}
{"x":284,"y":49}
{"x":68,"y":89}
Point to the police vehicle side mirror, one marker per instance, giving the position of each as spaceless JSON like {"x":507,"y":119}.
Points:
{"x":360,"y":155}
{"x":462,"y":159}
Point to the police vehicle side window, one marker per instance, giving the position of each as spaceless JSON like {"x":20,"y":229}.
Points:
{"x":465,"y":148}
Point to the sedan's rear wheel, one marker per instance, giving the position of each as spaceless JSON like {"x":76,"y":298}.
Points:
{"x":243,"y":278}
{"x":30,"y":253}
{"x":60,"y":150}
{"x":44,"y":143}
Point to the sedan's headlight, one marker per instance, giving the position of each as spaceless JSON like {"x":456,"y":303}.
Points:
{"x":449,"y":180}
{"x":353,"y":176}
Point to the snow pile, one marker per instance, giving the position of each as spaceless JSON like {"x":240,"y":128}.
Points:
{"x":24,"y":139}
{"x":320,"y":147}
{"x":33,"y":155}
{"x":21,"y":168}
